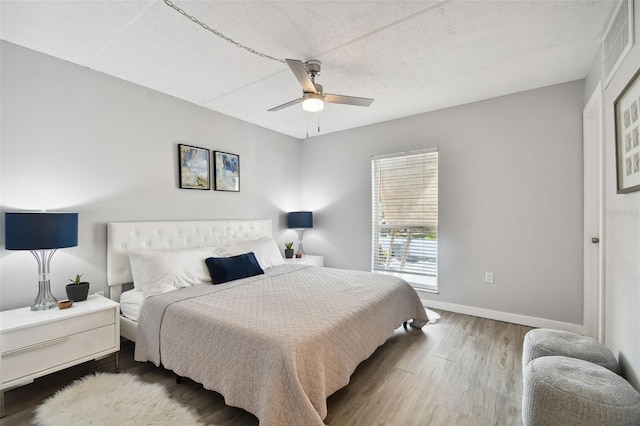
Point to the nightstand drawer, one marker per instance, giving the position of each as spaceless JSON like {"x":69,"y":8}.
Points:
{"x":30,"y":336}
{"x":55,"y":351}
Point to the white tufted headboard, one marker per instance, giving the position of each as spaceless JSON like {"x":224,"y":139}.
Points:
{"x":172,"y":235}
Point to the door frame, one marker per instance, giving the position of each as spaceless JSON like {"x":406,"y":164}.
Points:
{"x":593,"y":215}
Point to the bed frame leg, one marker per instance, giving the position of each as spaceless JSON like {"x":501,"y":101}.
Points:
{"x":178,"y":379}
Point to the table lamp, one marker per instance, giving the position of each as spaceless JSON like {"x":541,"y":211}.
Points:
{"x":42,"y":234}
{"x":300,"y":221}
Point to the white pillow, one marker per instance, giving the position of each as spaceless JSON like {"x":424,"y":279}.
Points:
{"x":266,"y":251}
{"x":159,"y":271}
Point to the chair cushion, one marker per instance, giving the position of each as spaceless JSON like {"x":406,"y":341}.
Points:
{"x":547,"y":342}
{"x":570,"y":392}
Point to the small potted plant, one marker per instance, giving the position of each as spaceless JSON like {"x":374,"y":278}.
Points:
{"x":77,"y":290}
{"x":288,"y":252}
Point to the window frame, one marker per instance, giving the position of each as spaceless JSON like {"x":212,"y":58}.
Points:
{"x":417,"y":275}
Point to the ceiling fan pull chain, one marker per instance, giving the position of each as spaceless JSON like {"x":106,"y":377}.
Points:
{"x":219,"y":34}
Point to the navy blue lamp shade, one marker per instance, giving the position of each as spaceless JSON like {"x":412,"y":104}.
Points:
{"x":40,"y":231}
{"x":42,"y":234}
{"x":299,"y":220}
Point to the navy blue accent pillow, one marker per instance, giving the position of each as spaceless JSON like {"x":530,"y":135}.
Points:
{"x":224,"y":269}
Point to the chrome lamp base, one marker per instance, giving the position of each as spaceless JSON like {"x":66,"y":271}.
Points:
{"x":300,"y":251}
{"x":45,"y":299}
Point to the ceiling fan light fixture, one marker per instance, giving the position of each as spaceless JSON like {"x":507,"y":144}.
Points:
{"x":312,"y":102}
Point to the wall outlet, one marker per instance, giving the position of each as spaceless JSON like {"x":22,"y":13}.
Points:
{"x":488,"y":277}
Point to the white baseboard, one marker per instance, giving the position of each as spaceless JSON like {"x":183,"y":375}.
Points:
{"x":504,"y":316}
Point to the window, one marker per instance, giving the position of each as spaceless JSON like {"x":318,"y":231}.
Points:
{"x":405,"y":216}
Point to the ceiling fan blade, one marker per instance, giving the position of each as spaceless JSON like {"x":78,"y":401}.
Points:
{"x":301,"y":74}
{"x":288,"y":104}
{"x":347,"y":100}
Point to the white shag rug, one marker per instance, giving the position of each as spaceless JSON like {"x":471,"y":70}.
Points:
{"x":113,"y":399}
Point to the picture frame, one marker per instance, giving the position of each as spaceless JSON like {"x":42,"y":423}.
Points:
{"x":226,"y":171}
{"x":194,"y":167}
{"x":627,"y":131}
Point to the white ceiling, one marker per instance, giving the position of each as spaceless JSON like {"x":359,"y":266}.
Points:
{"x":411,"y":56}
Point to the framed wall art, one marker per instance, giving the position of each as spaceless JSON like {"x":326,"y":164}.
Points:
{"x":194,"y":167}
{"x":226,"y":171}
{"x":627,"y":122}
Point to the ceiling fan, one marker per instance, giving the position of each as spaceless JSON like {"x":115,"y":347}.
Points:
{"x":313,"y":98}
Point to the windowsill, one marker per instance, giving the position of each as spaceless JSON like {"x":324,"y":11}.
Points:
{"x":426,"y":290}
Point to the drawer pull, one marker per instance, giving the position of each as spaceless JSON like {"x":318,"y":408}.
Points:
{"x":37,"y":346}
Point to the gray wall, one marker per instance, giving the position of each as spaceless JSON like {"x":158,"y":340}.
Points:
{"x":622,"y":230}
{"x":510,"y":199}
{"x":77,"y":140}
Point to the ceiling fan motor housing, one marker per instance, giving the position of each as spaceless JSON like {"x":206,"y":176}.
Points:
{"x":313,"y":67}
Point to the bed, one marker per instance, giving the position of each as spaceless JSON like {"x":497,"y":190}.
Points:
{"x":275,"y":343}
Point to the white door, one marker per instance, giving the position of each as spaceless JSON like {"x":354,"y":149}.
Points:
{"x":592,"y":117}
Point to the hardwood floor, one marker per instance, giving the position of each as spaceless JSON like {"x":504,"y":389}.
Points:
{"x":463,"y":370}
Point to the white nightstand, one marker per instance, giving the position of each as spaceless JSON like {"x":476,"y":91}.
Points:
{"x":36,"y":343}
{"x":308,"y":260}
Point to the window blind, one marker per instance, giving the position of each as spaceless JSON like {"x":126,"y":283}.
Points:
{"x":405,"y":215}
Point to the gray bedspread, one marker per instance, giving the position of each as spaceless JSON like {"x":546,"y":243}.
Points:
{"x":276,"y":345}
